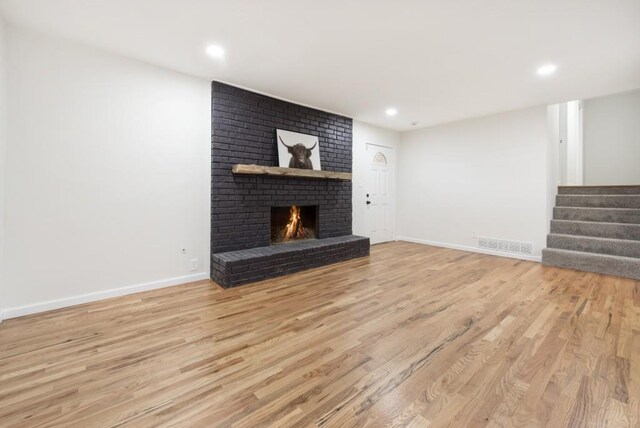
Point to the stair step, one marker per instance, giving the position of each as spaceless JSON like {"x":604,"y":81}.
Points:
{"x":627,"y":267}
{"x":609,"y":215}
{"x":597,"y":229}
{"x":599,"y":190}
{"x":590,"y":244}
{"x":598,"y":201}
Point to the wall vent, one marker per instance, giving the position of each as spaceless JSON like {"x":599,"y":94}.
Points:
{"x":506,"y":246}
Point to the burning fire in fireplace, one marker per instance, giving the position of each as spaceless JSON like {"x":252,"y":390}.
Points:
{"x":295,"y":229}
{"x":291,"y":228}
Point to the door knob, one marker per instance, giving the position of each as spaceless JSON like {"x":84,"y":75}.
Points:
{"x":368,"y":202}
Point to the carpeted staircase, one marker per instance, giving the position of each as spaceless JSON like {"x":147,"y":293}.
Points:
{"x":596,"y":229}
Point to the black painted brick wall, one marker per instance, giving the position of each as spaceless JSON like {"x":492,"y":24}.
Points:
{"x":244,"y":131}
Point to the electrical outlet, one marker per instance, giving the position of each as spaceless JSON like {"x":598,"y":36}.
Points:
{"x":194,"y":264}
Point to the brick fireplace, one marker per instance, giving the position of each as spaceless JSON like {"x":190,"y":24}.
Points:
{"x":245,"y":207}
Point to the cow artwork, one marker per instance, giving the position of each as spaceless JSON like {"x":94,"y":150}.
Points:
{"x":300,"y":155}
{"x":299,"y":151}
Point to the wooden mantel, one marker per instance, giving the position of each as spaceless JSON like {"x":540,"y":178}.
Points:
{"x":289,"y":172}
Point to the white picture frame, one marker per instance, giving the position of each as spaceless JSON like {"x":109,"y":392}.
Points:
{"x":297,"y":150}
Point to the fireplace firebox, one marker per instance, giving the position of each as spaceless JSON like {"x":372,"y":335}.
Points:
{"x":293,"y":223}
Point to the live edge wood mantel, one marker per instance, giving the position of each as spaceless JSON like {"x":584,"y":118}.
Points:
{"x":289,"y":172}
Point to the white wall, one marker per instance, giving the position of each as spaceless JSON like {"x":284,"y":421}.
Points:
{"x":553,"y":167}
{"x":3,"y":152}
{"x":484,"y":177}
{"x":108,"y":175}
{"x":612,"y":139}
{"x":364,"y":134}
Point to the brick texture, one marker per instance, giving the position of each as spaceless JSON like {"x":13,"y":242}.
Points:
{"x":235,"y":268}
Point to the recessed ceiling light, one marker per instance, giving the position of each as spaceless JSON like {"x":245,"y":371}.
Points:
{"x":391,"y":112}
{"x":546,"y":69}
{"x":215,"y":51}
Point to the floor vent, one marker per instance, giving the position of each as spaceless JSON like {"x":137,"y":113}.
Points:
{"x":506,"y":246}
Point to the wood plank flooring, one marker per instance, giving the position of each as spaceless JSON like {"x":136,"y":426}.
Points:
{"x":412,"y":336}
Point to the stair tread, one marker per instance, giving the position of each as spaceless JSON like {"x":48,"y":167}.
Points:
{"x":600,"y":195}
{"x":598,"y":201}
{"x":606,"y":190}
{"x":598,"y":214}
{"x":600,"y":208}
{"x":596,"y":222}
{"x":605,"y":264}
{"x":586,"y":253}
{"x":601,"y":229}
{"x":597,"y":238}
{"x":581,"y":186}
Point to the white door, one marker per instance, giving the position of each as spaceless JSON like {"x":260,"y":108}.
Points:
{"x":379,"y":194}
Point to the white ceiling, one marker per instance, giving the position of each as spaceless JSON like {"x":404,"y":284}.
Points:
{"x":435,"y":61}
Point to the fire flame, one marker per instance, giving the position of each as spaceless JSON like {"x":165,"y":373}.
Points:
{"x":294,"y":228}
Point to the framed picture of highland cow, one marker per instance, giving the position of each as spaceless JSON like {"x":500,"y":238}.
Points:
{"x":296,"y":150}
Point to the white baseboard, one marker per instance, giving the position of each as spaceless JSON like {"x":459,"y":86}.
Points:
{"x":470,"y":249}
{"x":49,"y":305}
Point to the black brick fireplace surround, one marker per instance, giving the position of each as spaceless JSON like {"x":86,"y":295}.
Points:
{"x":244,"y":132}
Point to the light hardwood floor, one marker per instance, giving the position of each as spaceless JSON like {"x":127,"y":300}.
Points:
{"x":412,"y":336}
